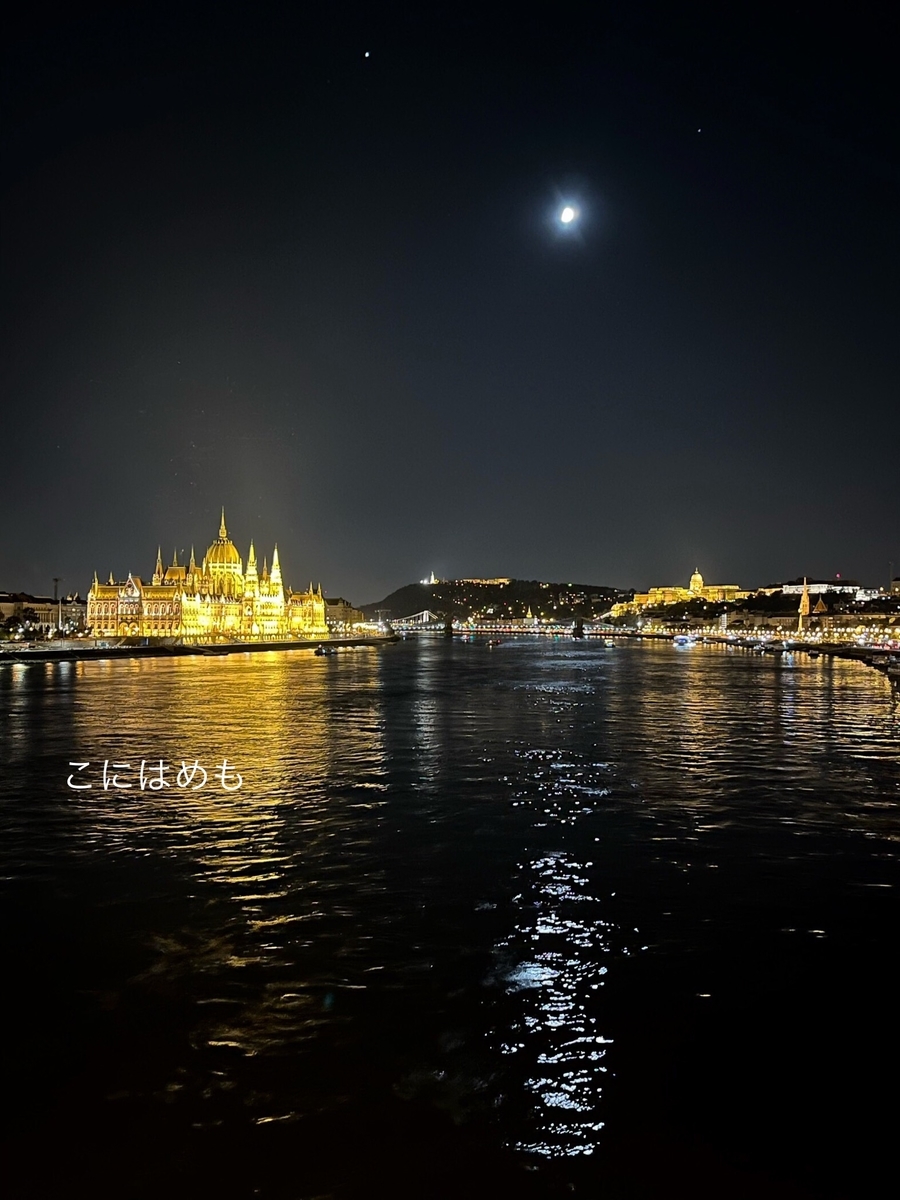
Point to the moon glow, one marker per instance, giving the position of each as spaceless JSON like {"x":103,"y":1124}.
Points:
{"x":567,"y":216}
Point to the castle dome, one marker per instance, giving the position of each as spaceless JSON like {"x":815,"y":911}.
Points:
{"x":696,"y":584}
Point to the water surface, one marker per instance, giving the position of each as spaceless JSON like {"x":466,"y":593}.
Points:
{"x":541,"y":919}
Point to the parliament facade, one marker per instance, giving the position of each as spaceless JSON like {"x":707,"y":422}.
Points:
{"x":217,"y":601}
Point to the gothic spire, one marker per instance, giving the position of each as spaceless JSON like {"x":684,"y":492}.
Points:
{"x":223,"y":532}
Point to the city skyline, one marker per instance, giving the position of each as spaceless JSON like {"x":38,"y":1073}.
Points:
{"x":792,"y":581}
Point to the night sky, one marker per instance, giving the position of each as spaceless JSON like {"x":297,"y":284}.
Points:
{"x":304,"y":263}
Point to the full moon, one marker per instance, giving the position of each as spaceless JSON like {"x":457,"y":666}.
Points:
{"x":567,"y":216}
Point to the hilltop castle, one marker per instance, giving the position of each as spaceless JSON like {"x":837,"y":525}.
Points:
{"x":674,"y":594}
{"x":213,"y":602}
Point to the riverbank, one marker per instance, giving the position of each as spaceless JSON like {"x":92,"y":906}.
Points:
{"x":77,"y":651}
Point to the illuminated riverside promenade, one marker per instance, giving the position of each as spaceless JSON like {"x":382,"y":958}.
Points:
{"x":878,"y":636}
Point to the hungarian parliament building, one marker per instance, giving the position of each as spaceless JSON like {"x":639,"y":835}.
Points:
{"x":217,"y":601}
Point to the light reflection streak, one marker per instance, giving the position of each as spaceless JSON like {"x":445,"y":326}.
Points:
{"x":558,"y":942}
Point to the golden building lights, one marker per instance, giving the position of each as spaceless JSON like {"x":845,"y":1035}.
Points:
{"x":216,"y":601}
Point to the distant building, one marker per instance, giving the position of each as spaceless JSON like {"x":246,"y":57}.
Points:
{"x":215,"y":600}
{"x":13,"y":604}
{"x":66,"y":615}
{"x":501,"y":581}
{"x":341,"y":616}
{"x":846,"y":588}
{"x":674,"y":594}
{"x":817,"y":587}
{"x":71,"y":614}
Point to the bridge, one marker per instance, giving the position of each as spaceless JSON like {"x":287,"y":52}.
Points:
{"x":429,"y":622}
{"x":420,"y":622}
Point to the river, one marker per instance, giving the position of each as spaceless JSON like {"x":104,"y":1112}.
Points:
{"x":439,"y":919}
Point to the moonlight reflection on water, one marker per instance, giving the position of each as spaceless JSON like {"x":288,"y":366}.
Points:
{"x":560,"y":943}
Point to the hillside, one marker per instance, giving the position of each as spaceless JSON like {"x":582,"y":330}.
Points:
{"x":464,"y":598}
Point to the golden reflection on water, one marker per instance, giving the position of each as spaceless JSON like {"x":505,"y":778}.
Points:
{"x":309,"y":746}
{"x":271,"y":718}
{"x":780,"y":719}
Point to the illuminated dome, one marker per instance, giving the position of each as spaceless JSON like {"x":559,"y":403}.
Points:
{"x":222,"y":554}
{"x":696,"y":584}
{"x":222,"y":551}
